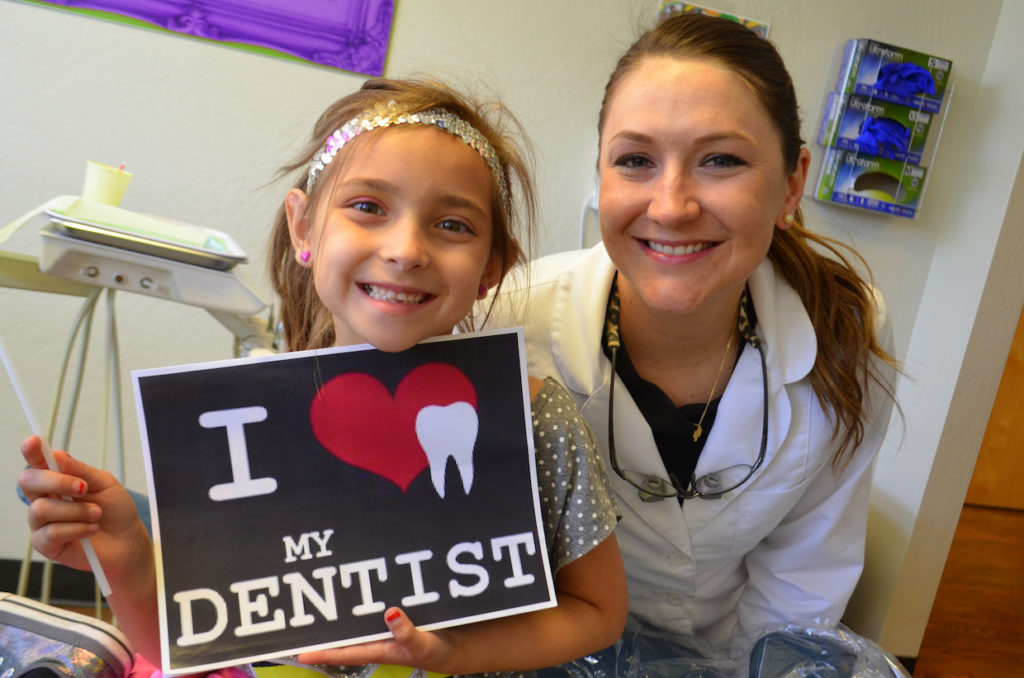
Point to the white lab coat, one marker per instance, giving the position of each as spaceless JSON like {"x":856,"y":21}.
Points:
{"x":786,"y":546}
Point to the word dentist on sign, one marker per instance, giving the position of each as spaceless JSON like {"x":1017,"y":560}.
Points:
{"x":253,"y":595}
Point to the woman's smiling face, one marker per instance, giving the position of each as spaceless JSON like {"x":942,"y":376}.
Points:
{"x":692,"y":183}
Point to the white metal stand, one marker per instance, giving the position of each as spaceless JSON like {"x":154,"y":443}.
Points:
{"x":78,"y":268}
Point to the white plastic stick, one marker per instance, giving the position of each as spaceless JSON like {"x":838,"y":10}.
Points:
{"x":90,"y":552}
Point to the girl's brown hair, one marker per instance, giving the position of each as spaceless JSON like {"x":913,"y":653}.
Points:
{"x":306,"y":321}
{"x":841,"y":303}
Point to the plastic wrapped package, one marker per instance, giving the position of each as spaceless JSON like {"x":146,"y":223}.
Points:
{"x":801,"y":651}
{"x":645,"y":651}
{"x":787,"y":651}
{"x":41,"y":641}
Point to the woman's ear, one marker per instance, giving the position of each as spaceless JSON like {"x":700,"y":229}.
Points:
{"x":295,"y":206}
{"x":794,"y":190}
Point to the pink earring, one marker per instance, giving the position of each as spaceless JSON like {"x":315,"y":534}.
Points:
{"x":304,"y":255}
{"x":481,"y":291}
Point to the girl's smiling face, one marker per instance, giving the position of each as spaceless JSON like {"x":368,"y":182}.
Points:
{"x":403,"y":242}
{"x":692,"y":183}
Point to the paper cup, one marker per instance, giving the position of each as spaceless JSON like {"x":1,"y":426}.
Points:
{"x":104,"y":183}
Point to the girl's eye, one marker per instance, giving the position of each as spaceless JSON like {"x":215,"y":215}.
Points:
{"x":367,"y":206}
{"x":723,"y":160}
{"x":454,"y":226}
{"x":632,"y":161}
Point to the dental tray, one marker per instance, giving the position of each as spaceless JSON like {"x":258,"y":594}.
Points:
{"x":155,"y":236}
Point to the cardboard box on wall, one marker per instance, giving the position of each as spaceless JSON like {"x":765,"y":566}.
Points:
{"x":894,"y":74}
{"x":879,"y":184}
{"x":858,"y":123}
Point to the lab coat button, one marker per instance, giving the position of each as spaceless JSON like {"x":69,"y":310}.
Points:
{"x":678,"y":559}
{"x":676,"y":601}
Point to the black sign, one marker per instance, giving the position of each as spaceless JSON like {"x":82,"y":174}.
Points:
{"x":295,"y":497}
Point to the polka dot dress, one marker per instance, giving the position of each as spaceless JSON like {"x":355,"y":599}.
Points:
{"x":576,"y":502}
{"x":575,"y":497}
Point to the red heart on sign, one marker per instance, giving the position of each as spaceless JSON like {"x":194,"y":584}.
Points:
{"x":358,"y":421}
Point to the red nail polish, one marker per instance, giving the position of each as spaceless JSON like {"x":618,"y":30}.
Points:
{"x":80,"y":488}
{"x":392,"y":616}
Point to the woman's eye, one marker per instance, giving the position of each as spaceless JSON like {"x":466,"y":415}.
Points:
{"x":454,"y":226}
{"x":632,"y":161}
{"x":723,"y":160}
{"x":367,"y":206}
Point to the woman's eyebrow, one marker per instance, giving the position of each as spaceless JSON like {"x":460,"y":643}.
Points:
{"x":710,"y":137}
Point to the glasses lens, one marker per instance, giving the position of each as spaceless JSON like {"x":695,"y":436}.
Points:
{"x":651,"y":484}
{"x":722,"y":481}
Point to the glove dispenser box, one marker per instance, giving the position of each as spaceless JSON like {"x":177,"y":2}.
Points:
{"x":880,"y":127}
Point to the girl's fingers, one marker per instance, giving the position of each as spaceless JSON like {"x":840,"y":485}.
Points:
{"x":59,"y":534}
{"x":90,"y":474}
{"x":400,"y":626}
{"x":40,"y":482}
{"x":57,"y":525}
{"x":47,"y":511}
{"x":374,"y":652}
{"x":32,"y":451}
{"x":74,"y":480}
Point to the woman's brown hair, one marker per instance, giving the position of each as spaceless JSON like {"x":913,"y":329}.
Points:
{"x":306,"y":321}
{"x":840,"y":303}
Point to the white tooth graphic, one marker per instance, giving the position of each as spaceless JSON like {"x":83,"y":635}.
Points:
{"x":444,"y":432}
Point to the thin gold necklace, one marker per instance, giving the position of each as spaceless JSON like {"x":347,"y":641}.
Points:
{"x":697,"y":428}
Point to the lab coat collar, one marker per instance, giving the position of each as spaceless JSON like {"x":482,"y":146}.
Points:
{"x":578,"y":323}
{"x":790,"y":352}
{"x":790,"y":343}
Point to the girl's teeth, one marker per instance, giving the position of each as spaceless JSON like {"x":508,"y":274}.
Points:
{"x":679,"y":249}
{"x":390,"y":296}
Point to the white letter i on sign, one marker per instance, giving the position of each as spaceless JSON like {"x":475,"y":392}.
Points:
{"x":242,"y":484}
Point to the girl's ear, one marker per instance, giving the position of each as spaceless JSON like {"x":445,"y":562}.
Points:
{"x":794,"y":190}
{"x":498,"y":265}
{"x":492,"y":274}
{"x":295,"y":205}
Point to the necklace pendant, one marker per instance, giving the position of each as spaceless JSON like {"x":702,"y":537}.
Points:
{"x":697,"y":430}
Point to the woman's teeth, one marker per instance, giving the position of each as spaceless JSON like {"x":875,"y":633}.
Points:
{"x":392,"y":297}
{"x":678,"y":249}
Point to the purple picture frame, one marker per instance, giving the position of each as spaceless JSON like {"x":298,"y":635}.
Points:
{"x":347,"y":34}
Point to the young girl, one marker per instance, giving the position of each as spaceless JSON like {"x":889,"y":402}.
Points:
{"x":402,"y":221}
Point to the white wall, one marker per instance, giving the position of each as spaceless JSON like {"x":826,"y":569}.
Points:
{"x":961,"y":333}
{"x":204,"y":128}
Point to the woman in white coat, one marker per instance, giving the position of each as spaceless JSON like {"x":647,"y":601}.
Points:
{"x":732,"y":364}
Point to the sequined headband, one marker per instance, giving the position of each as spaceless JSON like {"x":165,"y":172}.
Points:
{"x":386,"y":116}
